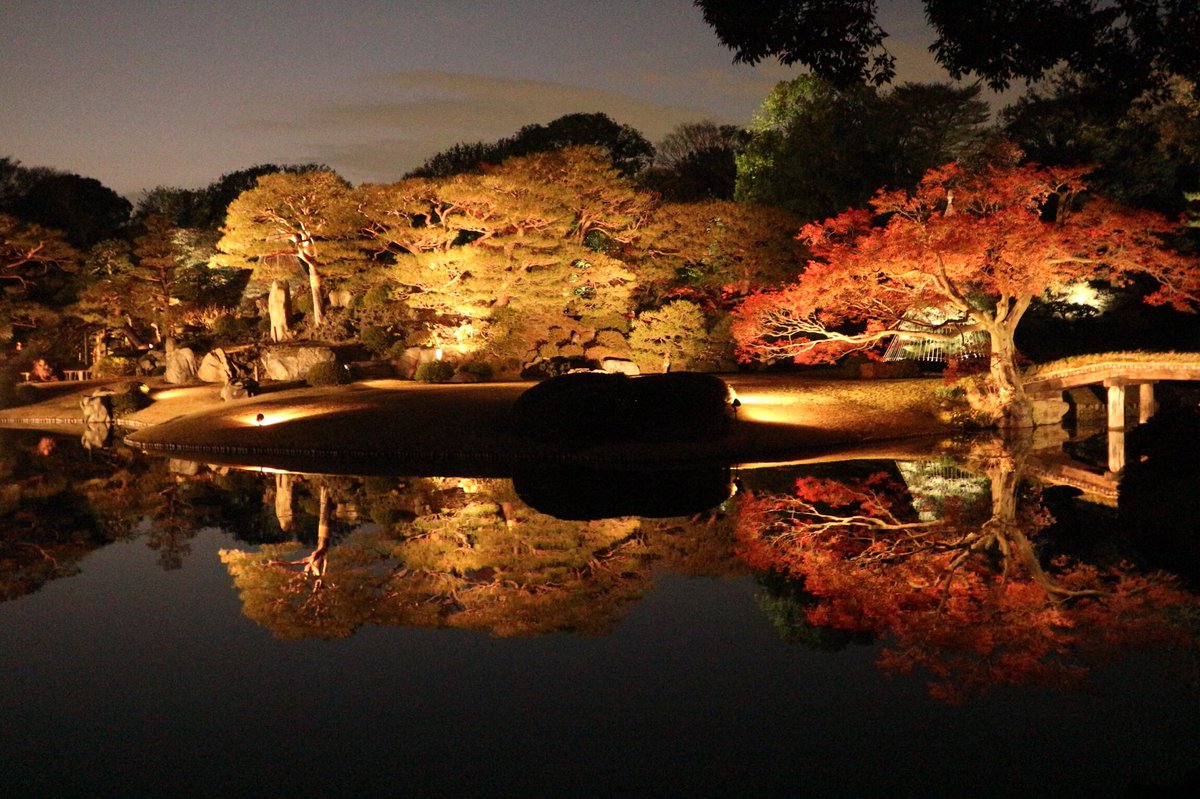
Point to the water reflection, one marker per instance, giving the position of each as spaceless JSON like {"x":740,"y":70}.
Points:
{"x":60,"y":501}
{"x":457,"y":553}
{"x":969,"y":565}
{"x":956,"y":566}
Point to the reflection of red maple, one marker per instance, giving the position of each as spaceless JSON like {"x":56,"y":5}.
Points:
{"x":968,"y":603}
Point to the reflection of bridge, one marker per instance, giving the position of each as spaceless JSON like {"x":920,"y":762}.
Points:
{"x":1059,"y":468}
{"x":1116,"y":372}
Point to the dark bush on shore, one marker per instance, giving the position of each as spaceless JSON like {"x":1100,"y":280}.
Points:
{"x":129,"y":398}
{"x":583,"y":493}
{"x":325,"y":373}
{"x":376,"y":339}
{"x":434,"y":372}
{"x":593,"y":408}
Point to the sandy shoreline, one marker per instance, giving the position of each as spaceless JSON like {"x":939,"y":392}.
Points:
{"x":397,"y":424}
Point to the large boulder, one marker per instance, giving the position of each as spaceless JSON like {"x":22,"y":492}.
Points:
{"x":97,"y":407}
{"x":236,"y":390}
{"x":279,"y":305}
{"x":594,"y":408}
{"x":214,"y":367}
{"x":292,"y":363}
{"x":181,"y":366}
{"x":96,"y":436}
{"x":620,"y":366}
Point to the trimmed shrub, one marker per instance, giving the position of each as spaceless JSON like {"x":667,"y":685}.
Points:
{"x":114,"y":366}
{"x":434,"y":372}
{"x":481,"y":370}
{"x":397,"y":350}
{"x":376,"y":339}
{"x":229,"y":325}
{"x":376,"y":296}
{"x":129,"y":398}
{"x":325,"y":373}
{"x":593,"y":408}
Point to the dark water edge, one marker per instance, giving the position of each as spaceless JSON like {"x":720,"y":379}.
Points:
{"x":128,"y":680}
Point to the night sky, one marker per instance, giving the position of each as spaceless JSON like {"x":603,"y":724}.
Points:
{"x":140,"y":93}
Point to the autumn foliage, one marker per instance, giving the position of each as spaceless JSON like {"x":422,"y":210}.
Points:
{"x":961,"y":597}
{"x":966,"y":251}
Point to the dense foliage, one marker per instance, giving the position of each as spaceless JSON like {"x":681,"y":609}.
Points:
{"x":943,"y":563}
{"x":627,"y":149}
{"x":816,"y":149}
{"x":966,"y":251}
{"x":1125,"y":44}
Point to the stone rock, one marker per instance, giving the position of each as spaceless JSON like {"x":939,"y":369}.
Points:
{"x":1048,"y":410}
{"x":340,"y":298}
{"x":406,"y":365}
{"x":96,"y":436}
{"x":214,"y":367}
{"x":620,"y":366}
{"x":292,"y":363}
{"x":149,"y":362}
{"x":1088,"y":406}
{"x":233,"y":391}
{"x":97,"y":407}
{"x":279,"y":304}
{"x":181,"y":366}
{"x":186,"y":468}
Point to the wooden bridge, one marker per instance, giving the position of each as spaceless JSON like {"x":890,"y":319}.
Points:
{"x":1117,"y":372}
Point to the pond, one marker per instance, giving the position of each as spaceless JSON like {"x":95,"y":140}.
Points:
{"x":945,"y":619}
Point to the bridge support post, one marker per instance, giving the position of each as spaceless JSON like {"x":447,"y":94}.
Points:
{"x":1146,"y":405}
{"x":1116,"y":428}
{"x":1116,"y":451}
{"x":1116,"y":407}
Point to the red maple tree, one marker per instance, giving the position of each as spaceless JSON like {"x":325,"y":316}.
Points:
{"x":962,"y":597}
{"x":968,"y":250}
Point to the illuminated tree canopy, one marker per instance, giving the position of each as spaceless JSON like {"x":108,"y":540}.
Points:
{"x":28,"y":251}
{"x":305,"y":215}
{"x":530,"y":247}
{"x":966,"y":251}
{"x":483,"y":560}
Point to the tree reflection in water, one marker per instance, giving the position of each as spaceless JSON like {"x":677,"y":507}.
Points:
{"x":60,"y":501}
{"x":957,"y":566}
{"x":460,"y":553}
{"x":953,"y":582}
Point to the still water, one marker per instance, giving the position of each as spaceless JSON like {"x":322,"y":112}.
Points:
{"x":180,"y":629}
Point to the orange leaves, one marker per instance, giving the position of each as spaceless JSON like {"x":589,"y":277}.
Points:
{"x":979,"y":245}
{"x":969,"y":604}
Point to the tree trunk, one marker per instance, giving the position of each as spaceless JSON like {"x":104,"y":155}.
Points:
{"x":1013,"y":408}
{"x":319,"y":558}
{"x":304,"y":254}
{"x":314,"y":283}
{"x":283,"y":501}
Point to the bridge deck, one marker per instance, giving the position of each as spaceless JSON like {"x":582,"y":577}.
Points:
{"x":1113,"y":369}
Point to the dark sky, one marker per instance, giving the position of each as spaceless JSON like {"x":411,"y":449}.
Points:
{"x":139,"y":93}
